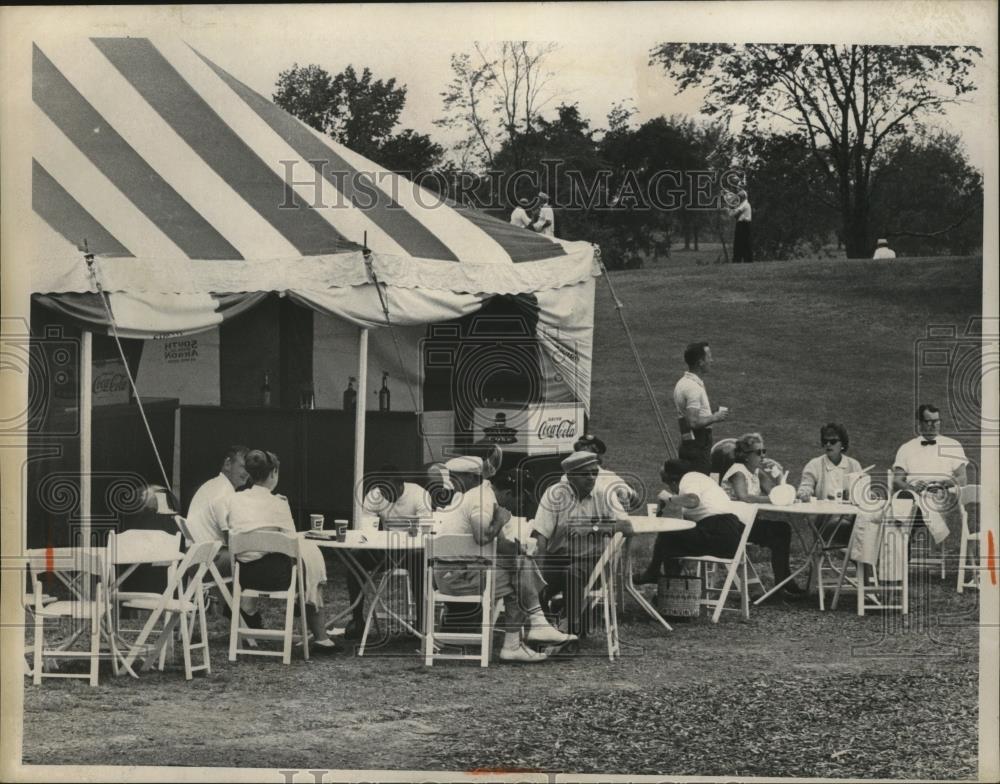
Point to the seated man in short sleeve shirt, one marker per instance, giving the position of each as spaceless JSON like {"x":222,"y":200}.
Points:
{"x":565,"y":565}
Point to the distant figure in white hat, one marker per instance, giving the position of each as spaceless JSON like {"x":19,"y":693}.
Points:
{"x":519,"y":217}
{"x":546,"y":223}
{"x":882,"y":250}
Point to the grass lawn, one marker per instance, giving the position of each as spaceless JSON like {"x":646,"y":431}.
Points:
{"x":791,"y":692}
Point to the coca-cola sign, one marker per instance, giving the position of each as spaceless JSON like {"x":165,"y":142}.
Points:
{"x":110,"y":384}
{"x":534,"y":429}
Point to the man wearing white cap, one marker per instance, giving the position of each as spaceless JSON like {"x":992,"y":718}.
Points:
{"x":519,"y":216}
{"x":516,"y":581}
{"x":608,"y":482}
{"x":883,"y":251}
{"x":546,"y":223}
{"x":565,"y":565}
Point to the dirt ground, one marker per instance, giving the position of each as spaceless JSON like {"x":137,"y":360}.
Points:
{"x":791,"y":692}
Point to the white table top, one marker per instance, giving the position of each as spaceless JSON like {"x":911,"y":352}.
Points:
{"x":658,"y":525}
{"x":369,"y":540}
{"x":814,"y":507}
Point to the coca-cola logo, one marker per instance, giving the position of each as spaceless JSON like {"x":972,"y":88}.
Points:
{"x":556,"y":428}
{"x":110,"y":382}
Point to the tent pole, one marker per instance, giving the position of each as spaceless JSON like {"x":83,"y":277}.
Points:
{"x":86,"y":430}
{"x":359,"y":426}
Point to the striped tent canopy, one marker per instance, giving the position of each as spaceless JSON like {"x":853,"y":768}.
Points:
{"x":197,"y":196}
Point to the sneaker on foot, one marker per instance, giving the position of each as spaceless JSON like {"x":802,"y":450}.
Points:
{"x":549,"y":635}
{"x":521,"y":655}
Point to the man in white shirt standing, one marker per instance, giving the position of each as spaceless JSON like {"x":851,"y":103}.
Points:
{"x":694,"y":413}
{"x":546,"y":223}
{"x":206,"y":514}
{"x":519,"y":217}
{"x":883,"y":251}
{"x":742,"y":244}
{"x":932,"y":468}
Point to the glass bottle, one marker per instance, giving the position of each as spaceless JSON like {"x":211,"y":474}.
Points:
{"x":265,"y":390}
{"x":384,"y":395}
{"x":350,"y":395}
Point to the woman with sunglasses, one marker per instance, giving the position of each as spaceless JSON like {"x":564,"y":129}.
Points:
{"x":825,"y":477}
{"x":743,"y":483}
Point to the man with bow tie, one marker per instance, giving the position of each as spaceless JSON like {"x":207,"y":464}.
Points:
{"x":932,"y":468}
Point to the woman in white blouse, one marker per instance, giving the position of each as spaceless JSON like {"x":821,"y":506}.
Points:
{"x":743,"y":483}
{"x":257,"y":508}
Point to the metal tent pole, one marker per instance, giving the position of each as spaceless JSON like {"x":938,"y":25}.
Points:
{"x":359,"y":427}
{"x":86,"y":434}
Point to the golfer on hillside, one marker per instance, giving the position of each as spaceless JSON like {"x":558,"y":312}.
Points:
{"x":742,"y":247}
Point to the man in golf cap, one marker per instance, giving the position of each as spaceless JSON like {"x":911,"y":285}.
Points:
{"x":566,"y":559}
{"x":477,"y":513}
{"x":608,"y":482}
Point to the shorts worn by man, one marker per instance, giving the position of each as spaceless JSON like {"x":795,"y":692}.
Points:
{"x":694,"y":413}
{"x":476,"y":515}
{"x":567,"y":559}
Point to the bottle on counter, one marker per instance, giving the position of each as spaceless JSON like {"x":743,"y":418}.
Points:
{"x":350,"y":395}
{"x":384,"y":395}
{"x":265,"y":390}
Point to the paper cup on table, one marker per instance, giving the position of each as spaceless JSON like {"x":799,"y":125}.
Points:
{"x":651,"y":510}
{"x":316,"y":522}
{"x":341,"y":526}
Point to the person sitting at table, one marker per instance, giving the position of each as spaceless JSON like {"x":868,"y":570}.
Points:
{"x":607,"y":481}
{"x":391,"y":498}
{"x":438,"y":487}
{"x":825,"y":477}
{"x":477,"y":512}
{"x":258,"y":509}
{"x":515,"y":492}
{"x":206,"y":517}
{"x":698,"y":498}
{"x":748,"y":480}
{"x":567,"y":565}
{"x":931,"y":468}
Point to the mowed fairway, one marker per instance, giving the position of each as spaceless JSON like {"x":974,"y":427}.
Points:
{"x":791,"y":692}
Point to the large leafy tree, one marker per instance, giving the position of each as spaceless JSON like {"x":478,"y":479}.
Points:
{"x":847,"y":101}
{"x":359,"y":111}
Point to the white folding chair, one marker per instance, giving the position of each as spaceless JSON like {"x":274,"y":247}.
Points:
{"x":893,"y":543}
{"x":221,"y":583}
{"x":444,"y":552}
{"x":968,"y":558}
{"x":181,"y":603}
{"x":601,"y":588}
{"x":87,"y":607}
{"x":736,"y":571}
{"x":268,"y":542}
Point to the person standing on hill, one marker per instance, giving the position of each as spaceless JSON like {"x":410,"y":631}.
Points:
{"x":546,"y":223}
{"x":519,"y":216}
{"x":742,"y":245}
{"x":883,"y":251}
{"x":695,"y":416}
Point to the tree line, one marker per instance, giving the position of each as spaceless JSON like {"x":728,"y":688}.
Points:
{"x":832,"y":143}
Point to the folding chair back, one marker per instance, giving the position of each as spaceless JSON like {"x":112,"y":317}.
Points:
{"x":452,"y":552}
{"x":221,"y":583}
{"x":736,"y":569}
{"x":875,"y":590}
{"x":601,"y":588}
{"x":87,"y":605}
{"x":182,"y":602}
{"x":968,"y":557}
{"x":268,"y":542}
